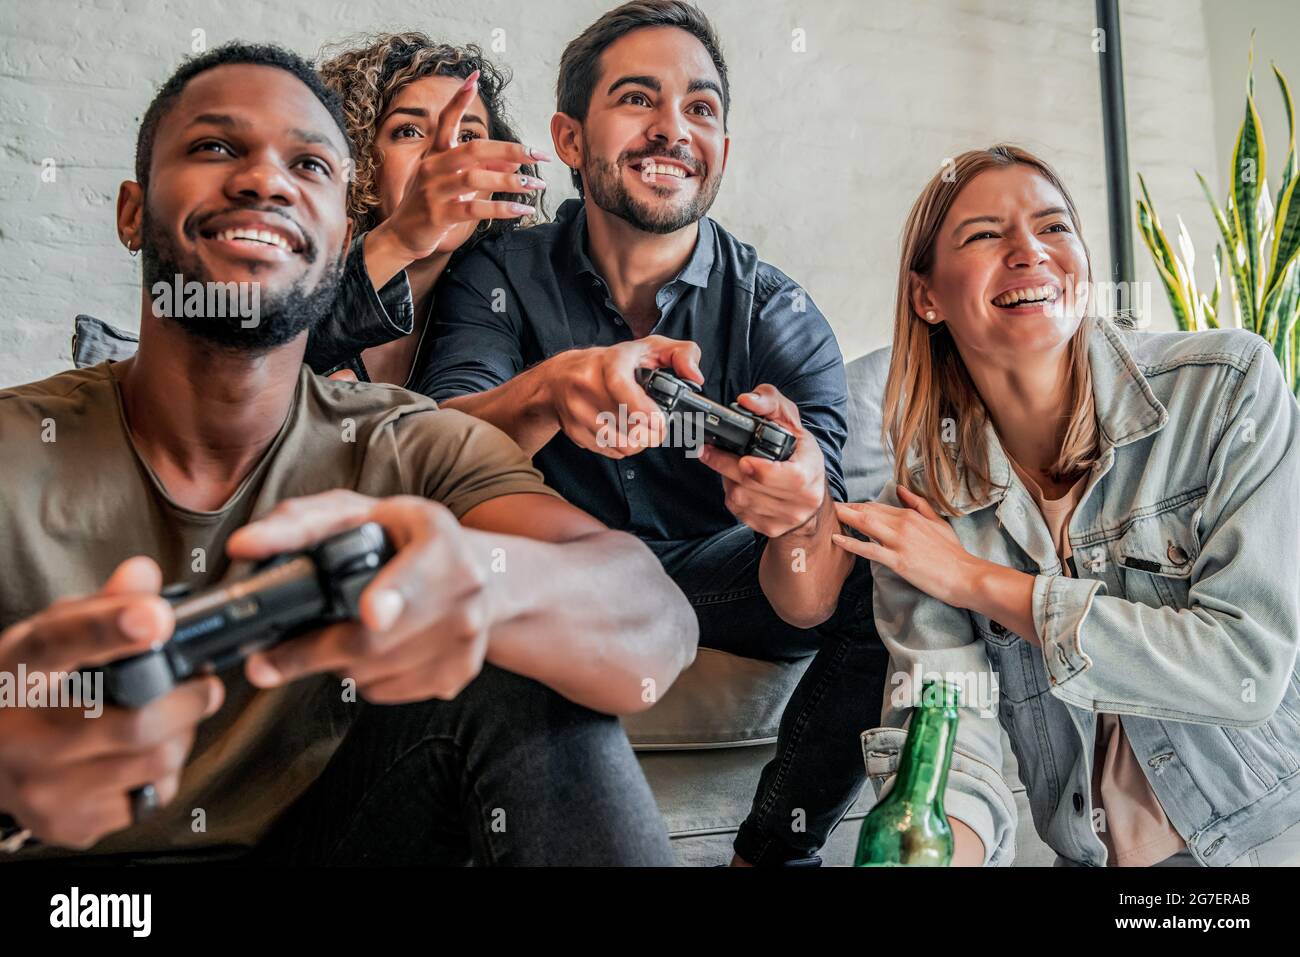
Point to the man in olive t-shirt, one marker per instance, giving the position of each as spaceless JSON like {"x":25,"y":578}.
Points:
{"x":505,"y":632}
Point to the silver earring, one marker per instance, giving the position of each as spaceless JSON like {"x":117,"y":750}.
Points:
{"x":134,"y":252}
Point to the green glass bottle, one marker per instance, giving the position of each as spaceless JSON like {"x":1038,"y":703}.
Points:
{"x":909,"y":827}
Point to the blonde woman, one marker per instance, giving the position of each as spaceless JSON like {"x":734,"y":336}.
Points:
{"x":1103,"y":518}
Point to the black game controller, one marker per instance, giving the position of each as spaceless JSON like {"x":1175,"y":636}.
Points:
{"x":732,"y":429}
{"x":220,"y":626}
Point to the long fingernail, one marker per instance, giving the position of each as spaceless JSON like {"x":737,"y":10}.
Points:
{"x":470,"y":81}
{"x":532,"y":182}
{"x":388,"y":606}
{"x":540,"y":154}
{"x":522,"y":209}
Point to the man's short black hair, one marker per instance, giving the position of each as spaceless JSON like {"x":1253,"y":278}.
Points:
{"x":580,"y":63}
{"x":257,"y":54}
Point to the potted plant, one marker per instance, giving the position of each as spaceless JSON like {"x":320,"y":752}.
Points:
{"x":1261,"y":235}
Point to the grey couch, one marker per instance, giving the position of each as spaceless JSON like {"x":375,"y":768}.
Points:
{"x":702,"y":747}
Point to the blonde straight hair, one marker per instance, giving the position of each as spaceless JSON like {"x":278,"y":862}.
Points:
{"x":928,"y":382}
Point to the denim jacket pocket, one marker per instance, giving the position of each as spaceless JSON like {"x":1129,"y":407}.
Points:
{"x":1017,"y":664}
{"x":1035,"y":743}
{"x":994,"y":632}
{"x":1156,"y":553}
{"x":882,"y":749}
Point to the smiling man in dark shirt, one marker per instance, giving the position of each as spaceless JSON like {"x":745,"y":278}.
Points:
{"x":542,"y":332}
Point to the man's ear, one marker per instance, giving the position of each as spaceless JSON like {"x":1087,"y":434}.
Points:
{"x":347,"y":237}
{"x":726,"y":150}
{"x":566,"y":134}
{"x":130,"y":214}
{"x":922,"y":300}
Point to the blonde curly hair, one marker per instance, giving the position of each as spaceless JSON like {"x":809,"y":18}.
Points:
{"x":368,"y":72}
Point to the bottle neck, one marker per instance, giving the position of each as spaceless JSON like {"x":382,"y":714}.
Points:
{"x":923,"y":767}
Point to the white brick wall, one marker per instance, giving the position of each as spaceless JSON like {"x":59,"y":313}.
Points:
{"x":829,"y":146}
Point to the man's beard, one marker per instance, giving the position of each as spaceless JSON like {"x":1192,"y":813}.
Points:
{"x":604,"y":184}
{"x":281,"y":317}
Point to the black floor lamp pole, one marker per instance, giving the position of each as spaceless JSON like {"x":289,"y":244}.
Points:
{"x":1119,"y":201}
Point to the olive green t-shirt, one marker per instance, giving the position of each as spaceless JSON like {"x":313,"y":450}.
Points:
{"x":77,"y":499}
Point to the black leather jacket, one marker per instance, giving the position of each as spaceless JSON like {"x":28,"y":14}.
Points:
{"x":361,"y":318}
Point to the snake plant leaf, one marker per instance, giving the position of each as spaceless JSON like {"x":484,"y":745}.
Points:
{"x":1232,"y":245}
{"x":1289,"y":167}
{"x":1264,"y":228}
{"x":1211,"y":320}
{"x":1187,"y":274}
{"x":1173,"y":289}
{"x":1165,"y":262}
{"x":1218,"y":282}
{"x":1295,"y":372}
{"x":1282,"y":308}
{"x":1152,"y":223}
{"x":1248,"y":171}
{"x":1286,"y":358}
{"x":1286,"y":236}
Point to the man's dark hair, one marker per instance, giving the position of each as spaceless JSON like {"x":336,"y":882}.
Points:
{"x":580,"y":64}
{"x":257,"y":54}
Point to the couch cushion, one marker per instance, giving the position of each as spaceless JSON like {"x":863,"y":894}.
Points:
{"x":704,"y":796}
{"x":95,"y":341}
{"x":867,"y":465}
{"x":720,"y":701}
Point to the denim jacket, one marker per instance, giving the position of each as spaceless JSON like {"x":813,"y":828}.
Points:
{"x":1182,"y":619}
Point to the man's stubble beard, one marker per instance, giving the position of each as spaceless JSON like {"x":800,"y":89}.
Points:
{"x":281,"y":317}
{"x":604,"y":184}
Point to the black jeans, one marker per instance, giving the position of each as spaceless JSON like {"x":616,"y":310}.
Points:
{"x":509,"y":772}
{"x":818,"y":769}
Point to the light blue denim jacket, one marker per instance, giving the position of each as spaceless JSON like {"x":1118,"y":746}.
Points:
{"x":1183,"y":619}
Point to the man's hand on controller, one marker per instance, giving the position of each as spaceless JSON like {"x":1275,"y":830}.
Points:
{"x":586,"y":388}
{"x":65,"y":775}
{"x":425,"y":618}
{"x":772,"y":498}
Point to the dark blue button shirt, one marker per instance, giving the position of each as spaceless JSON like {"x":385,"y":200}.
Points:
{"x":517,"y":300}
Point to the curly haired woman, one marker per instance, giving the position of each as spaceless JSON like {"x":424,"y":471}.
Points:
{"x":437,"y":167}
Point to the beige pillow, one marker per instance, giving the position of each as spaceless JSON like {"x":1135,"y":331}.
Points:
{"x":720,"y":701}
